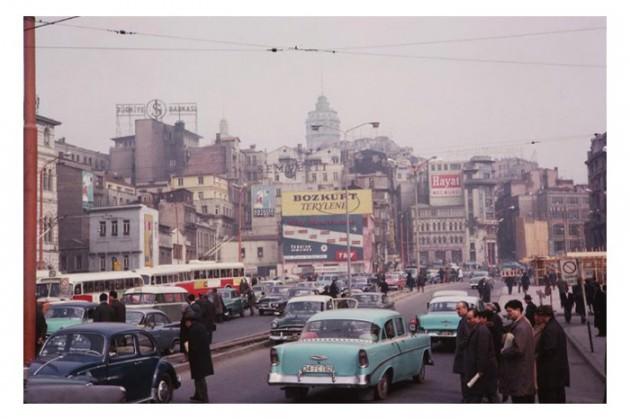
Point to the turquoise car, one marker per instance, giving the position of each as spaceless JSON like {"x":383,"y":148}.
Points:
{"x":68,"y":313}
{"x":365,"y":349}
{"x":440,"y":323}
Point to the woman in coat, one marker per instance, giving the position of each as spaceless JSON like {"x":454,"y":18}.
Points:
{"x":199,"y":358}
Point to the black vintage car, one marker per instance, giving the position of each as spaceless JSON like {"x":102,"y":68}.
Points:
{"x":374,"y":300}
{"x":157,"y":324}
{"x":274,"y":302}
{"x":112,"y":354}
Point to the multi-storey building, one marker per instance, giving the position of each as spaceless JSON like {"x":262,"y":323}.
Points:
{"x":596,"y":163}
{"x":47,"y":245}
{"x":439,"y":234}
{"x":89,"y":159}
{"x":254,"y":164}
{"x":123,"y":238}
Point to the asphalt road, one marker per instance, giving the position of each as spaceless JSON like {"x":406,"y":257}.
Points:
{"x":243,"y":379}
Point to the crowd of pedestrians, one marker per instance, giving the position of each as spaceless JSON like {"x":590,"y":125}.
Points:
{"x":523,"y":359}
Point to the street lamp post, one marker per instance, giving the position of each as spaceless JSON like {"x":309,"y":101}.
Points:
{"x":374,"y":124}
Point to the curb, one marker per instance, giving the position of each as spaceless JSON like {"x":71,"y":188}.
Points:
{"x":578,"y":347}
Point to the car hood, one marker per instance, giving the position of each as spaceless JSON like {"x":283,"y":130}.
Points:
{"x":57,"y":324}
{"x":62,"y":367}
{"x":294,"y":319}
{"x":442,"y":321}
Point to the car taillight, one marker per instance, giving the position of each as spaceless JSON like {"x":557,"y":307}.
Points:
{"x":274,"y":357}
{"x":363,"y":359}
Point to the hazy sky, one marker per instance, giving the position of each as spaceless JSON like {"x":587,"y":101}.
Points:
{"x":449,"y":108}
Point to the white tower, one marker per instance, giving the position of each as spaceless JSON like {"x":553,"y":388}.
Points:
{"x":322,"y":125}
{"x":223,"y":128}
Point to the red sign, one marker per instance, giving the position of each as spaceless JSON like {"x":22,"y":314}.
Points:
{"x":446,"y":184}
{"x":343,"y":255}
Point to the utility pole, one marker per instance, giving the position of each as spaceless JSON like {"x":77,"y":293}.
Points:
{"x":30,"y":189}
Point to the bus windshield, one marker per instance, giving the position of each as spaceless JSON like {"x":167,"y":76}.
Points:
{"x":41,"y":290}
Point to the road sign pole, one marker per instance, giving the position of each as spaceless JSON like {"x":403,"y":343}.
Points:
{"x":588,"y":320}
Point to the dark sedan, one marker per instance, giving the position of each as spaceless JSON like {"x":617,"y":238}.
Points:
{"x":157,"y":324}
{"x":111,"y":354}
{"x":373,"y":300}
{"x":274,"y":302}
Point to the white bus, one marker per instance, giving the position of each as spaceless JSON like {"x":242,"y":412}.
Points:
{"x":86,"y":286}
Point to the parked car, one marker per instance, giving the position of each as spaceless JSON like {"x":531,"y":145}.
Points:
{"x":274,"y":302}
{"x":60,"y":315}
{"x":157,"y":324}
{"x":394,"y":281}
{"x":297,"y":312}
{"x":477,"y":276}
{"x":298,"y":291}
{"x":232,"y":302}
{"x":364,"y":349}
{"x":113,"y":354}
{"x":440,"y":323}
{"x":374,"y":300}
{"x":363,"y":283}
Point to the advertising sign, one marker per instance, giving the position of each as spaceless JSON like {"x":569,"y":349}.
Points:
{"x":321,"y":238}
{"x":148,"y":240}
{"x":263,"y":201}
{"x":569,"y":270}
{"x":446,"y":184}
{"x":87,"y":189}
{"x":326,"y":202}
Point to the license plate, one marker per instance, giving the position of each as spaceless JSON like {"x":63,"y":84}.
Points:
{"x":321,"y":369}
{"x":446,"y":333}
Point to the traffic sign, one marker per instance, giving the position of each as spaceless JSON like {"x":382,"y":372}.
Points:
{"x":569,"y":270}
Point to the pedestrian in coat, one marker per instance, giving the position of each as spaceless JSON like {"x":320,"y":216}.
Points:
{"x":589,"y":287}
{"x":103,"y":312}
{"x":461,"y":338}
{"x":562,"y":291}
{"x":441,"y":273}
{"x":599,"y":309}
{"x":552,"y":361}
{"x":518,"y":357}
{"x":334,"y":289}
{"x":410,"y":281}
{"x":219,"y":306}
{"x":199,"y":357}
{"x":487,"y":291}
{"x":568,"y":307}
{"x":493,"y":322}
{"x":41,"y":328}
{"x":525,"y":282}
{"x":120,"y":313}
{"x":422,"y":280}
{"x":480,"y":358}
{"x":530,"y":308}
{"x":509,"y":281}
{"x":251,"y":301}
{"x":578,"y":297}
{"x":553,"y":279}
{"x":384,"y":286}
{"x":480,"y":286}
{"x":207,"y":318}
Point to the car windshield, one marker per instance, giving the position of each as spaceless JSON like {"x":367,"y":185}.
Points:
{"x":139,"y":298}
{"x":64,"y":312}
{"x":133,"y":317}
{"x":226,"y":295}
{"x":55,"y":290}
{"x":279,"y":291}
{"x":41,"y":290}
{"x":69,"y":343}
{"x":298,"y":292}
{"x":443,"y":306}
{"x":304,"y":307}
{"x":341,"y":329}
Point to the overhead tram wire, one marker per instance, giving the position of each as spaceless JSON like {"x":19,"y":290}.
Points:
{"x":54,"y":22}
{"x":179,"y":49}
{"x":475,"y":39}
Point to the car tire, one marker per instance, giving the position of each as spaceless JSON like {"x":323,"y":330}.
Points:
{"x":420,"y":377}
{"x":296,"y":393}
{"x":175,"y":347}
{"x":164,"y":389}
{"x":382,"y":387}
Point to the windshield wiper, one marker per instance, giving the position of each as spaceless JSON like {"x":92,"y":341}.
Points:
{"x":48,"y":362}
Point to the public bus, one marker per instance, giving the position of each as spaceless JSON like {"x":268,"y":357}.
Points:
{"x":85,"y":286}
{"x":171,"y":300}
{"x":48,"y":287}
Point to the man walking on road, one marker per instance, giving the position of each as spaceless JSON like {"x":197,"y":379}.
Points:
{"x":509,"y":281}
{"x":461,"y":340}
{"x":199,"y":357}
{"x":530,"y":308}
{"x":479,"y":358}
{"x":422,"y":279}
{"x":103,"y":312}
{"x":120,"y":314}
{"x":599,"y":308}
{"x":518,"y":357}
{"x":552,"y":362}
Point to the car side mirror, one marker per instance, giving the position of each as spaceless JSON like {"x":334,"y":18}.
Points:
{"x":413,"y":327}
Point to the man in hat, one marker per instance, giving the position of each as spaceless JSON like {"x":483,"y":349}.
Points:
{"x":199,"y":358}
{"x":530,"y":308}
{"x":552,"y":362}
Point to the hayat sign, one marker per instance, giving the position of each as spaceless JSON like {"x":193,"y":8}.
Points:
{"x":446,"y":184}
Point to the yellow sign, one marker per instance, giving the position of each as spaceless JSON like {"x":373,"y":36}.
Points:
{"x":331,"y":202}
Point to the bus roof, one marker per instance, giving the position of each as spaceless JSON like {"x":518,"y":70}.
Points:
{"x":100,"y":276}
{"x":210,"y":264}
{"x":164,"y":269}
{"x":150,"y":289}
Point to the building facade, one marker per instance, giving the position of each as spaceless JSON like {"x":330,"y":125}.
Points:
{"x":123,"y":238}
{"x":90,"y":159}
{"x":596,"y":164}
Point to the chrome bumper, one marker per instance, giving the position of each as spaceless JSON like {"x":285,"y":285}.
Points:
{"x":318,"y":380}
{"x":284,"y":335}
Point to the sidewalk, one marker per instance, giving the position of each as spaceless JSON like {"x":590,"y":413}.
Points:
{"x":577,"y":333}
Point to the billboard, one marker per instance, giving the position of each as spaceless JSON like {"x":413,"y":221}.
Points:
{"x":87,"y":189}
{"x":148,"y":240}
{"x":326,"y":202}
{"x":263,"y":201}
{"x":322,"y":238}
{"x":445,"y":184}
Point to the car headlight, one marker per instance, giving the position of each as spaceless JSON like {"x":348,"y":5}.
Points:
{"x":275,"y":324}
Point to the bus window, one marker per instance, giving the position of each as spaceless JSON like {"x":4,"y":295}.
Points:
{"x":145,"y":279}
{"x":120,"y":284}
{"x":128,"y":283}
{"x":196,"y":274}
{"x":224,"y":273}
{"x":178,"y":298}
{"x":241,"y":272}
{"x":137,"y":282}
{"x":159,"y":298}
{"x":99,"y":286}
{"x":77,"y":289}
{"x":168,"y":298}
{"x":88,"y":288}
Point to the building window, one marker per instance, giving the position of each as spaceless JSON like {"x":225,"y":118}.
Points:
{"x":558,"y":246}
{"x":200,"y":195}
{"x":558,"y":229}
{"x":78,"y":262}
{"x":260,"y":252}
{"x":335,"y":176}
{"x":47,"y":137}
{"x":102,"y":228}
{"x":325,"y":175}
{"x":126,"y":262}
{"x":172,"y":163}
{"x":177,"y":251}
{"x":204,"y":209}
{"x":200,"y":180}
{"x":574,"y":229}
{"x":102,"y":267}
{"x":180,"y":181}
{"x":114,"y":263}
{"x":126,"y":227}
{"x":114,"y":228}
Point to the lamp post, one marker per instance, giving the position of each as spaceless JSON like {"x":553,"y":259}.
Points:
{"x":374,"y":124}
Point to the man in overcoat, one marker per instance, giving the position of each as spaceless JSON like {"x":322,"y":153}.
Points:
{"x":552,"y":361}
{"x":103,"y":312}
{"x":518,"y":357}
{"x":599,"y":309}
{"x":480,"y":358}
{"x":120,"y":314}
{"x":460,"y":345}
{"x":199,"y":357}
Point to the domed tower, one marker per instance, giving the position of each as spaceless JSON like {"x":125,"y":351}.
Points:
{"x":322,"y":125}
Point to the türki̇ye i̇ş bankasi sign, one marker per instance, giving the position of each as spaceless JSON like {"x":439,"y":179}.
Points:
{"x":326,"y":202}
